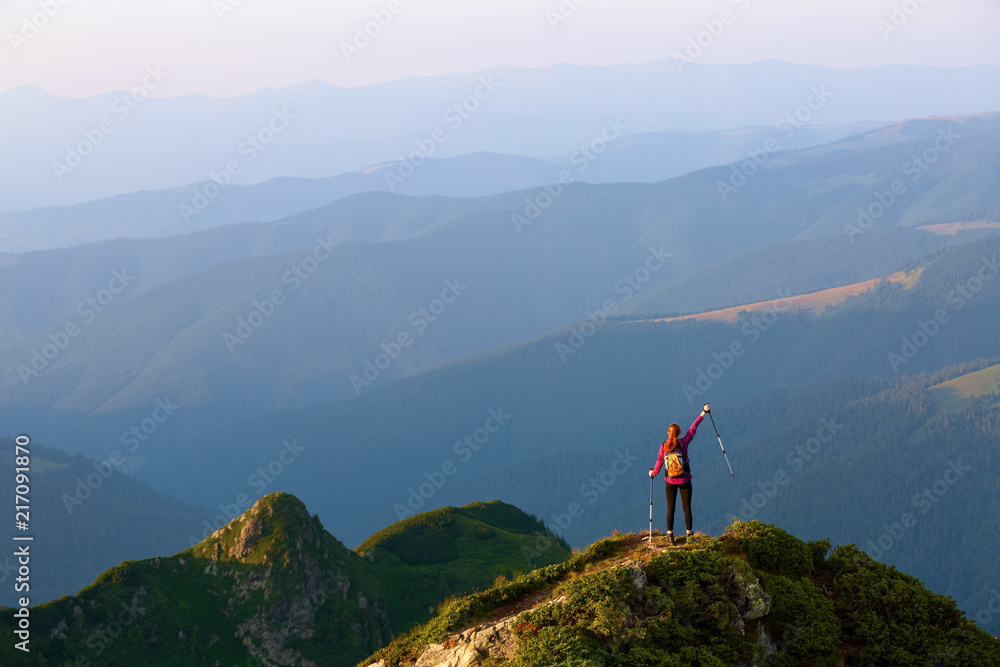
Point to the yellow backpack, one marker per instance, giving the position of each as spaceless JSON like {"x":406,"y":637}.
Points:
{"x":676,"y":463}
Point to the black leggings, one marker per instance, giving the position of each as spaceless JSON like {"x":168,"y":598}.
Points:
{"x":685,"y":490}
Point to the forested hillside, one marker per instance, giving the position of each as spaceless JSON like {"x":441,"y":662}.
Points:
{"x":87,"y":516}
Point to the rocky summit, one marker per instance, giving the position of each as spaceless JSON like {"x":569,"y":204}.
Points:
{"x":754,"y":596}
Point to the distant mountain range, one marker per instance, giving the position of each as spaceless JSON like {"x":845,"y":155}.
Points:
{"x":67,"y":151}
{"x":641,"y":158}
{"x":200,"y":332}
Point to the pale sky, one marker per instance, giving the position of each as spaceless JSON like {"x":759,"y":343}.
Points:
{"x":92,"y":46}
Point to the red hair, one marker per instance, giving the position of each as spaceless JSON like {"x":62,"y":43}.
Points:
{"x":672,"y":440}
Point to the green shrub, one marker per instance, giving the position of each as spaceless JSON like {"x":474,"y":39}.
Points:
{"x":820,"y":549}
{"x":559,"y":647}
{"x":698,"y":624}
{"x":803,"y":619}
{"x":898,"y":621}
{"x":772,"y":549}
{"x":596,"y":604}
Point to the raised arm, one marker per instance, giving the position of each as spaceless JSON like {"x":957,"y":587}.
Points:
{"x":694,"y":427}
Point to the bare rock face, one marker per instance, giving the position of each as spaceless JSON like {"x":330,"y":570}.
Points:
{"x":766,"y":643}
{"x":638,"y":572}
{"x":736,"y":618}
{"x":248,"y":538}
{"x":468,"y":648}
{"x":751,"y":600}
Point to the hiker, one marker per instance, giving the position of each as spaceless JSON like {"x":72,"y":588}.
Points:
{"x":673,"y":454}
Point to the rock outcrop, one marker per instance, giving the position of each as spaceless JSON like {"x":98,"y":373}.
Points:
{"x":291,"y":565}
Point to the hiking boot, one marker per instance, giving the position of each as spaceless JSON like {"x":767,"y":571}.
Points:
{"x":670,"y":538}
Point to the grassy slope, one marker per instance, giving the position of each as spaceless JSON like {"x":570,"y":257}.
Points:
{"x":813,"y":302}
{"x":426,"y":558}
{"x":838,"y":609}
{"x":953,"y":395}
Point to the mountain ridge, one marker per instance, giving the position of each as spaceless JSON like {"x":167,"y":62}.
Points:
{"x":754,"y":596}
{"x":344,"y":129}
{"x":272,"y":585}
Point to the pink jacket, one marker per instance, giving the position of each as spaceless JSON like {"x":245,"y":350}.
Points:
{"x":684,"y":442}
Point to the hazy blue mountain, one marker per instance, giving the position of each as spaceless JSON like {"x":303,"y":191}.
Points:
{"x":840,"y":185}
{"x":832,"y":190}
{"x":795,"y":267}
{"x":186,"y":209}
{"x":321,"y":130}
{"x":647,"y":157}
{"x":643,"y":158}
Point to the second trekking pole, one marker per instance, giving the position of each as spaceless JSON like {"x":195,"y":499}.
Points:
{"x":720,"y":445}
{"x":651,"y":506}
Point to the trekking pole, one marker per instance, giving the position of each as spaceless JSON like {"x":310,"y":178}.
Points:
{"x":720,"y":443}
{"x":651,"y":507}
